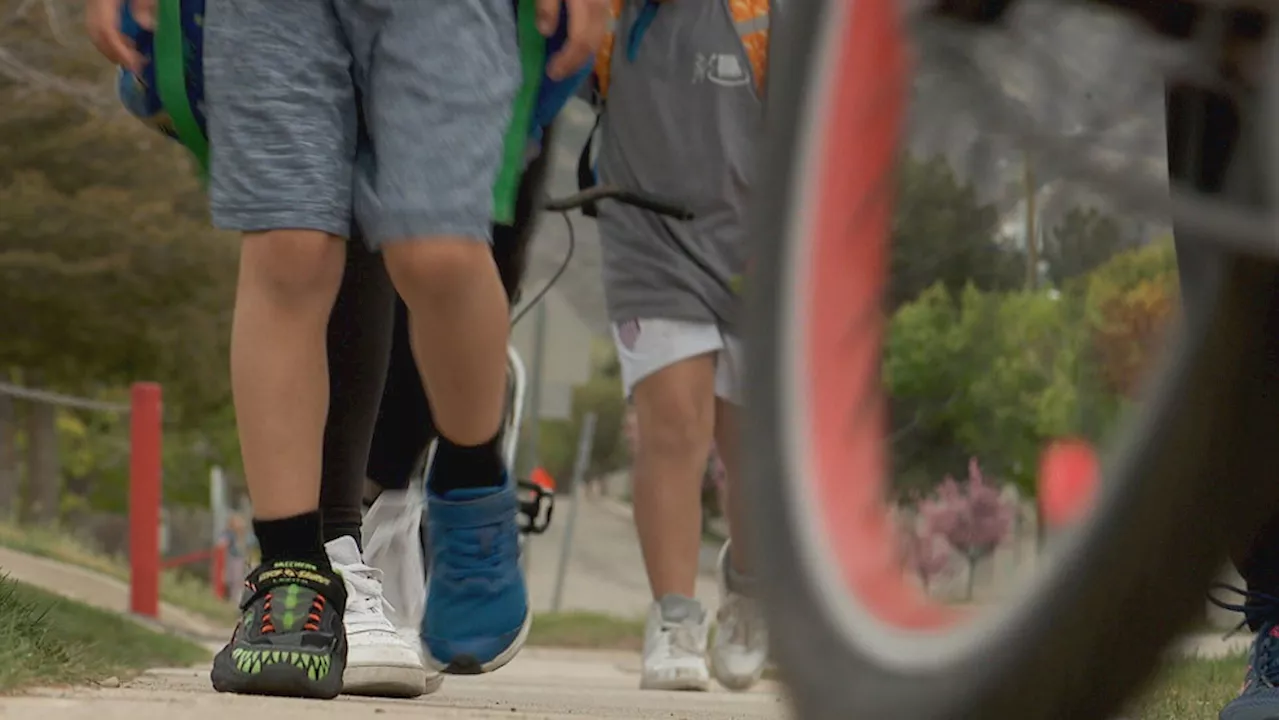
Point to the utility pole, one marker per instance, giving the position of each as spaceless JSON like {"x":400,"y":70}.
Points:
{"x":586,"y":438}
{"x":534,"y":413}
{"x":1033,"y":249}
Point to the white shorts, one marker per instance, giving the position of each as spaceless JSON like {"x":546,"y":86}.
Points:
{"x":646,"y":346}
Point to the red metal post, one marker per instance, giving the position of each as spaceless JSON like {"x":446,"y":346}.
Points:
{"x":144,"y":500}
{"x":218,"y":571}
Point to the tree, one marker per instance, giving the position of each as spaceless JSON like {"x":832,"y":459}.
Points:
{"x":1130,"y":301}
{"x":925,"y":554}
{"x":942,"y":233}
{"x":109,"y":271}
{"x":986,"y":374}
{"x":1083,"y":240}
{"x":974,"y":518}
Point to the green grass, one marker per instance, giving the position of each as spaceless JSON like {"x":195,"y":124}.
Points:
{"x":48,"y":640}
{"x":1192,"y":689}
{"x":183,"y":591}
{"x":586,"y":630}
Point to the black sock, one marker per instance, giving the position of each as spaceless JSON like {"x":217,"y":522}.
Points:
{"x":455,"y":467}
{"x":292,"y":538}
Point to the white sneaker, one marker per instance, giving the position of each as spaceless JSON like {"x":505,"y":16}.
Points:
{"x":392,"y":544}
{"x":675,"y":646}
{"x":741,"y":646}
{"x":379,"y":662}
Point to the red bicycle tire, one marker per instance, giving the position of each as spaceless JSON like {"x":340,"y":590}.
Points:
{"x":845,"y":629}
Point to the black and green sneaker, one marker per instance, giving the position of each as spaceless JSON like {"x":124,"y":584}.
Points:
{"x":290,"y":640}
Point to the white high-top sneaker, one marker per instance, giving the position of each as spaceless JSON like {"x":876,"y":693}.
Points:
{"x":392,"y":543}
{"x":675,"y":646}
{"x":379,"y":661}
{"x":741,"y":646}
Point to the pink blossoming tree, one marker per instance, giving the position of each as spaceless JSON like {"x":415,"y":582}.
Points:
{"x":972,"y":517}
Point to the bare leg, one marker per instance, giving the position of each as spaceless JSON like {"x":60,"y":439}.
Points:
{"x":735,"y":508}
{"x":458,"y":309}
{"x":675,"y":411}
{"x":279,"y":372}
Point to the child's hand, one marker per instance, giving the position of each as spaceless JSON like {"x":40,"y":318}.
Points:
{"x":588,"y":24}
{"x":102,"y":19}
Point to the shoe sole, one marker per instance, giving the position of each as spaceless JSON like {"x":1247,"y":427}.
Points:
{"x":683,"y":684}
{"x":467,"y":665}
{"x":278,"y":679}
{"x":393,"y":681}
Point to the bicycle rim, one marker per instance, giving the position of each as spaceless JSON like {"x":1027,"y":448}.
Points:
{"x":852,"y":638}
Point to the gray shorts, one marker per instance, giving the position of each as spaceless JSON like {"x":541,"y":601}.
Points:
{"x":386,"y":113}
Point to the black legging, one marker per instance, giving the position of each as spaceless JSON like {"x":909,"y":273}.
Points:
{"x":379,"y":419}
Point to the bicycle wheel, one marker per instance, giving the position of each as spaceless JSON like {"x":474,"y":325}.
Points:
{"x":852,"y":638}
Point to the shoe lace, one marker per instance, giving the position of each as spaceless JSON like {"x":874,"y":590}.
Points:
{"x":366,"y":603}
{"x":473,"y":552}
{"x":314,"y":613}
{"x":1264,"y":660}
{"x":680,"y":638}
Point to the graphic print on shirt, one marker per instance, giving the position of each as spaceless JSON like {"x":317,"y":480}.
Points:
{"x":750,"y":18}
{"x":724,"y":69}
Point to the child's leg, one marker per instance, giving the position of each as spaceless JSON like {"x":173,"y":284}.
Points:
{"x":359,"y":345}
{"x":282,"y":119}
{"x":741,"y":645}
{"x":439,"y":80}
{"x":405,"y":425}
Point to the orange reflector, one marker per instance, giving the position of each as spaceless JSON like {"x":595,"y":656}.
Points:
{"x":542,"y":479}
{"x":1068,"y":481}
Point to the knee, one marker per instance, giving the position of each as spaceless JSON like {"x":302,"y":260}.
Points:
{"x":293,"y":266}
{"x":438,"y":267}
{"x":676,"y":427}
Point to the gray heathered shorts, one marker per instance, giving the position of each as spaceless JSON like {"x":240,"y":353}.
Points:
{"x":387,"y":113}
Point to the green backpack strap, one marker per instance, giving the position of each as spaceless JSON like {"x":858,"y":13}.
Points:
{"x":533,"y":54}
{"x":171,"y":81}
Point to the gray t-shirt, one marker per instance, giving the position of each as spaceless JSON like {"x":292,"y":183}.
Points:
{"x":682,"y":119}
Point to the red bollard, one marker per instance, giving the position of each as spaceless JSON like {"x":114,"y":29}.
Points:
{"x":144,"y":499}
{"x":218,"y":571}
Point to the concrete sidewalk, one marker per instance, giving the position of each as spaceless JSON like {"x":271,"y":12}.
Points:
{"x":542,"y":683}
{"x":605,"y":570}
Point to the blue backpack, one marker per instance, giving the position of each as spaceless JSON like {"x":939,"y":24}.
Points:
{"x":169,"y":94}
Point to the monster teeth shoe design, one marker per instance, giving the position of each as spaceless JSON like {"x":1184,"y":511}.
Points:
{"x":289,"y":640}
{"x":379,"y":661}
{"x":675,"y":646}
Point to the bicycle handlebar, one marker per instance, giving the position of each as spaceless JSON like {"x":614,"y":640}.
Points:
{"x":642,"y":200}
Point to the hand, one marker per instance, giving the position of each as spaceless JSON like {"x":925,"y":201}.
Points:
{"x":588,"y":25}
{"x":102,"y":19}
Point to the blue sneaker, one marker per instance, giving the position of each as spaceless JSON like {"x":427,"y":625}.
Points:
{"x":477,"y":614}
{"x":1258,"y":699}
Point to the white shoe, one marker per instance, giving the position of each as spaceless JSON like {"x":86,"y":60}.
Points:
{"x":379,"y":662}
{"x":392,"y":544}
{"x":741,"y":646}
{"x":675,"y":646}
